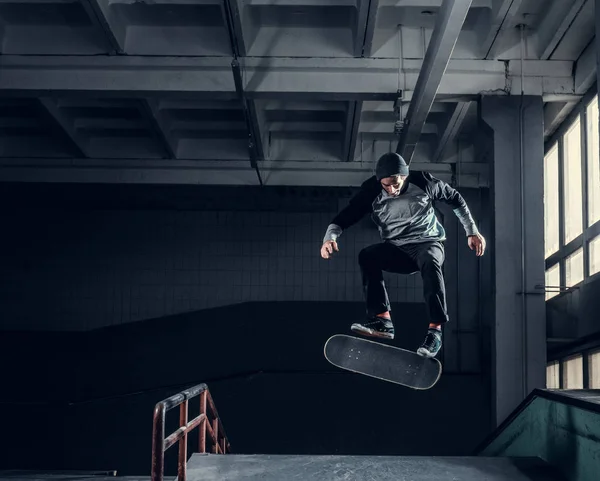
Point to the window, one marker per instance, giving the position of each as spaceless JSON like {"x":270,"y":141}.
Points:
{"x":572,"y":199}
{"x":551,"y":195}
{"x":593,"y":161}
{"x":573,"y":372}
{"x":552,"y":375}
{"x":574,"y":268}
{"x":594,"y":253}
{"x":594,"y":370}
{"x":573,"y":215}
{"x":552,"y":281}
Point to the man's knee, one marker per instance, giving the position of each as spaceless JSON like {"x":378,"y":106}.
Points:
{"x":365,"y":256}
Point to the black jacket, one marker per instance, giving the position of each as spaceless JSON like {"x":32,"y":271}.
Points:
{"x":425,"y":190}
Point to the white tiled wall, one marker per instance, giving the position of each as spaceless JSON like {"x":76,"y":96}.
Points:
{"x":81,"y":270}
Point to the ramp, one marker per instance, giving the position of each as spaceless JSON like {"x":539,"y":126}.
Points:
{"x":234,"y":467}
{"x":561,"y":427}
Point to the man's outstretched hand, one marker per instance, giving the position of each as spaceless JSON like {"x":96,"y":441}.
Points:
{"x":477,"y":243}
{"x":327,"y":249}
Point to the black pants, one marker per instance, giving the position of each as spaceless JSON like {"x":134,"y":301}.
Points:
{"x":426,"y":257}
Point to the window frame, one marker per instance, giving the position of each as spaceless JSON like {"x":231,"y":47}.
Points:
{"x":589,"y":232}
{"x":584,"y":347}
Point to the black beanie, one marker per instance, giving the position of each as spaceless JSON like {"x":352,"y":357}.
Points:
{"x":390,"y":164}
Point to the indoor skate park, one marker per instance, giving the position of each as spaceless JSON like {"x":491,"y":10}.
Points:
{"x":168,"y":172}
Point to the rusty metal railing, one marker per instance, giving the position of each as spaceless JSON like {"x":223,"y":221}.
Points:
{"x":209,"y":423}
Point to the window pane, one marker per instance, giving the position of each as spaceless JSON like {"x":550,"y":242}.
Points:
{"x":573,"y":372}
{"x":593,"y":152}
{"x":574,"y":268}
{"x":572,"y":183}
{"x":594,"y":369}
{"x":594,"y":250}
{"x":552,"y":279}
{"x":551,"y":192}
{"x":552,"y":378}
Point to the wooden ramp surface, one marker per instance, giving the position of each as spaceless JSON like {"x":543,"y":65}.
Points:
{"x":235,"y":467}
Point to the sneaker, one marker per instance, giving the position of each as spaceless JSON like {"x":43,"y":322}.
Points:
{"x":432,"y":343}
{"x":375,"y":327}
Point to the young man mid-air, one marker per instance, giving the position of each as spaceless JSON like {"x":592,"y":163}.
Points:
{"x":401,"y":205}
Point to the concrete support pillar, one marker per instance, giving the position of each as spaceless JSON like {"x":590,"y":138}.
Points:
{"x":519,"y":330}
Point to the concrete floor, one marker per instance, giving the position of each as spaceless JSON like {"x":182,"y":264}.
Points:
{"x":381,"y":468}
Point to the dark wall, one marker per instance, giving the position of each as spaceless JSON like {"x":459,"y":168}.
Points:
{"x":99,"y":256}
{"x":78,"y":258}
{"x":574,"y":314}
{"x":37,"y":380}
{"x":82,"y":265}
{"x":275,"y":392}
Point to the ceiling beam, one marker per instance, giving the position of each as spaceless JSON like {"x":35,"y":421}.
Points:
{"x":150,"y":110}
{"x":253,"y":125}
{"x":554,"y":115}
{"x":501,"y":15}
{"x":206,"y":172}
{"x":452,"y":129}
{"x":351,"y":3}
{"x":430,"y":3}
{"x":556,"y":22}
{"x":289,"y":79}
{"x":377,"y":127}
{"x":99,"y":13}
{"x":304,"y":126}
{"x":57,"y":118}
{"x":301,"y":3}
{"x":585,"y":69}
{"x":232,"y":11}
{"x":351,"y":130}
{"x":367,"y":22}
{"x":536,"y":81}
{"x":232,"y":17}
{"x":448,"y":26}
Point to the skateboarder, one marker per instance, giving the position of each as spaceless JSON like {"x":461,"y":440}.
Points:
{"x":400,"y":204}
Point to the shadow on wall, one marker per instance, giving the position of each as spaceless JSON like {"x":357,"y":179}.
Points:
{"x":276,"y":394}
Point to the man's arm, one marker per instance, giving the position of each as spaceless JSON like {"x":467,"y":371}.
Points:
{"x":439,"y":190}
{"x":360,"y":205}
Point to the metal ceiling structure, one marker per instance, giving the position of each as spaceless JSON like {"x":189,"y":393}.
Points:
{"x":278,"y":92}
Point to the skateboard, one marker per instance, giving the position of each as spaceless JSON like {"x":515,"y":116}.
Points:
{"x":387,"y":363}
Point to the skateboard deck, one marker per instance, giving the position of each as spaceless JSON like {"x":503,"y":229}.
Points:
{"x":387,"y":363}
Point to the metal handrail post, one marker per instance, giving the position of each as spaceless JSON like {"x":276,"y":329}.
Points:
{"x":158,"y":442}
{"x":183,"y":420}
{"x":202,"y":440}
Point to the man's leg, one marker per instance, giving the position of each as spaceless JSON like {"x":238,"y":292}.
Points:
{"x":373,"y":260}
{"x":430,"y":260}
{"x":430,"y":257}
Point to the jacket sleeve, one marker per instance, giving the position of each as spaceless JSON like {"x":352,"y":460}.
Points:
{"x":439,"y":190}
{"x":359,"y":206}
